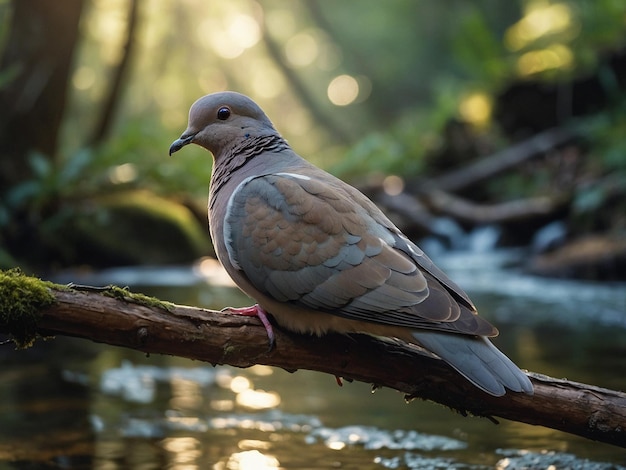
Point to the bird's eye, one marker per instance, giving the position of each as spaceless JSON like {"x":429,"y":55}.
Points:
{"x":223,"y":113}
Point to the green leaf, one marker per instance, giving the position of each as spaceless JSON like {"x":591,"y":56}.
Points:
{"x":40,"y":164}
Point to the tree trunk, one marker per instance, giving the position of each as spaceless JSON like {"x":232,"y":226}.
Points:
{"x":119,"y":73}
{"x":331,"y":125}
{"x":115,"y":316}
{"x":34,"y":72}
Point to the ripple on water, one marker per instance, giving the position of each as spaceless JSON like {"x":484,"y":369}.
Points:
{"x":137,"y":383}
{"x":374,"y":438}
{"x":522,"y":459}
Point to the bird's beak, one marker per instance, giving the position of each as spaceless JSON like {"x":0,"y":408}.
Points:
{"x":180,"y":143}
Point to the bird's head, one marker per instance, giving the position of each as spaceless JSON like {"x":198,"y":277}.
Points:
{"x":220,"y":121}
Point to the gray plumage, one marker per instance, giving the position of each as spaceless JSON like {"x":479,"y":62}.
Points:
{"x":320,"y":256}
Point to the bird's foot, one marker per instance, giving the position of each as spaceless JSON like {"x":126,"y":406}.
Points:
{"x":254,"y":311}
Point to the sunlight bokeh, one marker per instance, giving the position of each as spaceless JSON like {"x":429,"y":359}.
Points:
{"x":541,"y":37}
{"x":343,"y":90}
{"x":302,"y":49}
{"x":252,"y":460}
{"x":183,"y":452}
{"x":476,"y":108}
{"x":541,"y":18}
{"x":230,"y":37}
{"x":556,"y":56}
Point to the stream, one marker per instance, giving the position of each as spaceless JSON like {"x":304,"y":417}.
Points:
{"x":69,"y":403}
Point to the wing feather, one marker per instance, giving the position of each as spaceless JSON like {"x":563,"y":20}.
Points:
{"x":306,"y":241}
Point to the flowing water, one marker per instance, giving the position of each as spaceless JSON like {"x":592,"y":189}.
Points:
{"x":70,"y":403}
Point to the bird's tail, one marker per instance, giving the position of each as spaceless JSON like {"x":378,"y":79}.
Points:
{"x":478,"y":360}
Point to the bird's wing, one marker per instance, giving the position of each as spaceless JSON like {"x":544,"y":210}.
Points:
{"x":305,"y":241}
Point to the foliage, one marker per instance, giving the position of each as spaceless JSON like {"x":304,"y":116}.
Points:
{"x":402,"y":149}
{"x":492,"y":48}
{"x":83,"y":212}
{"x":32,"y":209}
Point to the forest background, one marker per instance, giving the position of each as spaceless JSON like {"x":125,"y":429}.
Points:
{"x":392,"y":97}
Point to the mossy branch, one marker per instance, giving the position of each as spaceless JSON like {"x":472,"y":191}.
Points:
{"x":30,"y":307}
{"x":22,"y":301}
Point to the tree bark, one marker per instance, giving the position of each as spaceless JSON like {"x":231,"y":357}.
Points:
{"x":116,"y":317}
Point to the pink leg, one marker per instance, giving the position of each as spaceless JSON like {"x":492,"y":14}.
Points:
{"x":254,"y":311}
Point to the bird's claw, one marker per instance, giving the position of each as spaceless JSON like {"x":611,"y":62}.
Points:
{"x":255,"y":311}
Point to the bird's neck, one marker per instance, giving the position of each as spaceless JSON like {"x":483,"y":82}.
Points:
{"x":229,"y":160}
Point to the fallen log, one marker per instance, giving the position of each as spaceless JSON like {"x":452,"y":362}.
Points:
{"x":424,"y":199}
{"x":419,"y":211}
{"x":467,"y":211}
{"x":30,"y":308}
{"x":488,"y":167}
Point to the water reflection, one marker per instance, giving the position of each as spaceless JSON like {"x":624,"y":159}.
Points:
{"x":185,"y":452}
{"x":258,"y":399}
{"x":374,"y":438}
{"x":250,"y":460}
{"x":186,"y":394}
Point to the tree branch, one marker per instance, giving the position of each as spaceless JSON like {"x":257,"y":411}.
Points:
{"x":493,"y":165}
{"x":468,"y":211}
{"x":117,"y":317}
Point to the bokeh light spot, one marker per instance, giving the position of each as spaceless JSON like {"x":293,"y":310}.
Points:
{"x":252,"y":460}
{"x":301,"y":50}
{"x":541,"y":19}
{"x":244,"y":30}
{"x":239,"y":384}
{"x":258,"y":399}
{"x":343,"y":90}
{"x":124,"y":173}
{"x":557,"y":56}
{"x":229,"y":39}
{"x":84,"y":78}
{"x":476,"y":109}
{"x":393,"y":185}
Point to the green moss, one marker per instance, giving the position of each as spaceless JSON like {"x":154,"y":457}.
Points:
{"x":21,"y":300}
{"x":137,"y":227}
{"x":140,"y":299}
{"x":133,"y":227}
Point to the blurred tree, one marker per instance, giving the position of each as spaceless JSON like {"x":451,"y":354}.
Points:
{"x":332,"y":125}
{"x":34,"y":70}
{"x":112,"y":99}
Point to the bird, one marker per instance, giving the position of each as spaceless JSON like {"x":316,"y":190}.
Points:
{"x":318,"y":256}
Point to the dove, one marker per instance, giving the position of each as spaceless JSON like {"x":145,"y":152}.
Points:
{"x":318,"y":256}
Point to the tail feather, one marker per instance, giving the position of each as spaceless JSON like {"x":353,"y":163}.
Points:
{"x":478,"y":360}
